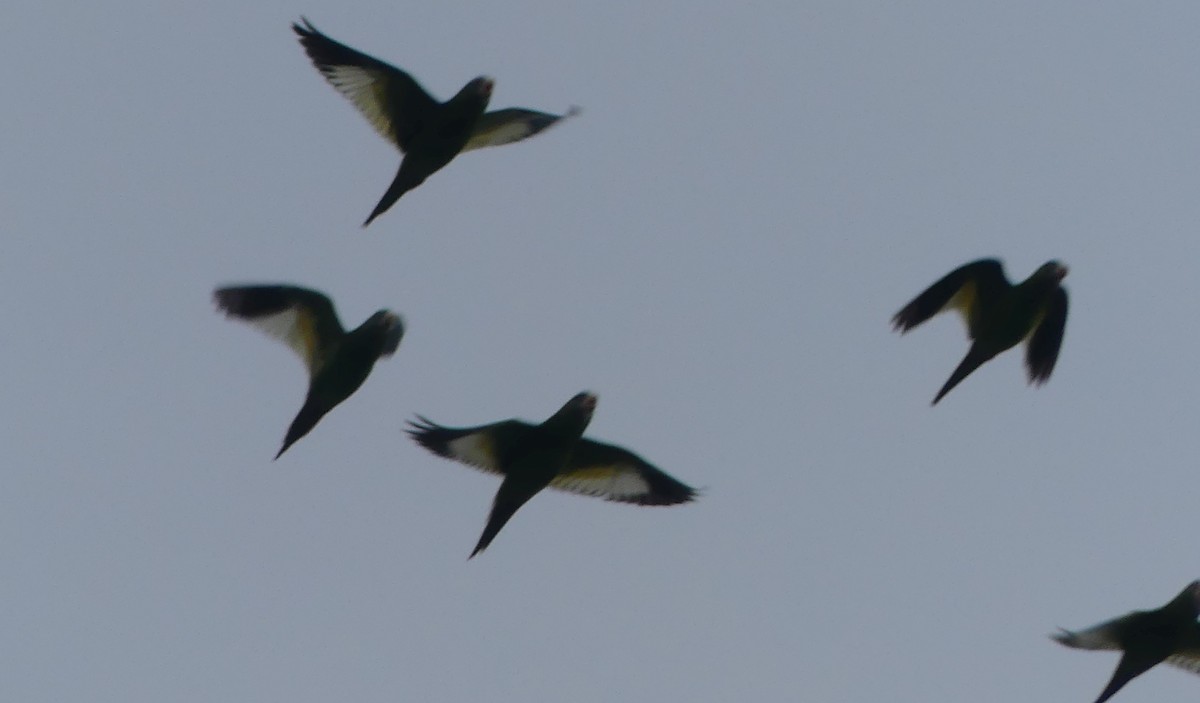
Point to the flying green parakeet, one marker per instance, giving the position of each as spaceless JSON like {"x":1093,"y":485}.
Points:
{"x":338,"y":361}
{"x":998,"y":314}
{"x":1145,"y":638}
{"x":429,"y":133}
{"x":531,"y":457}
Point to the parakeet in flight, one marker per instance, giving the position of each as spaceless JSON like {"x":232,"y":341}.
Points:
{"x":998,"y":314}
{"x":429,"y":133}
{"x":1145,"y":638}
{"x":531,"y":457}
{"x":338,"y":361}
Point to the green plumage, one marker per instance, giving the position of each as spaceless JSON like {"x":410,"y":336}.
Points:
{"x":1146,"y":638}
{"x":998,"y":315}
{"x":553,"y":454}
{"x":428,"y":132}
{"x":338,"y":361}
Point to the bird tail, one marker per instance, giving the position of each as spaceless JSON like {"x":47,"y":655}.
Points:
{"x":509,"y":498}
{"x":1130,"y":667}
{"x":405,"y":180}
{"x":973,"y":360}
{"x":305,"y":420}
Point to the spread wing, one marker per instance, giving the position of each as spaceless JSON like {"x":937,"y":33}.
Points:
{"x":486,"y":447}
{"x":613,"y":473}
{"x":1188,"y":657}
{"x":1188,"y":661}
{"x":391,"y":100}
{"x":1042,"y":350}
{"x":1102,"y":636}
{"x":301,"y":318}
{"x":511,"y":125}
{"x":595,"y":468}
{"x":968,"y":289}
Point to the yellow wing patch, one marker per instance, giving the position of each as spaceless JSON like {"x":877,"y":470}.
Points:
{"x":367,"y":91}
{"x":964,"y":300}
{"x":1189,"y":661}
{"x":512,"y":125}
{"x":296,"y":328}
{"x":476,"y":449}
{"x":615,"y":482}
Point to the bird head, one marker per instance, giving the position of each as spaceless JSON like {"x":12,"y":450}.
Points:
{"x":575,"y":414}
{"x":480,"y":88}
{"x":586,"y":401}
{"x":1193,"y":594}
{"x":391,"y":328}
{"x":1052,"y":270}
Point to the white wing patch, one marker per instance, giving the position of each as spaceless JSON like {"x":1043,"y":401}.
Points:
{"x":294,"y":329}
{"x":1098,"y":637}
{"x":365,"y":89}
{"x":507,"y":133}
{"x":514,"y":125}
{"x":620,"y":483}
{"x":1187,"y":662}
{"x":962,"y":301}
{"x":474,"y":449}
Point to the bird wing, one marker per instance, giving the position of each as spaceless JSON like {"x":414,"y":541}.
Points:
{"x":1188,"y":661}
{"x":303,"y":319}
{"x":391,"y":100}
{"x":1044,"y":342}
{"x":595,"y":468}
{"x":511,"y":125}
{"x":1188,"y":656}
{"x":1102,"y":636}
{"x":486,"y":447}
{"x":968,"y":288}
{"x":613,"y":473}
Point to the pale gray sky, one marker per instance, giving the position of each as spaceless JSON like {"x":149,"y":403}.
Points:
{"x":714,"y":247}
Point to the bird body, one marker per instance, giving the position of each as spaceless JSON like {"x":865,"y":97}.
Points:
{"x":998,"y":315}
{"x":338,"y":362}
{"x":1146,"y":638}
{"x":539,"y":456}
{"x":553,"y":454}
{"x":429,"y":133}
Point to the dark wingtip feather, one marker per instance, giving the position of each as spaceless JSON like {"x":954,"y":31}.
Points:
{"x":1044,"y":345}
{"x":304,"y":28}
{"x":665,"y":490}
{"x":249,"y":302}
{"x":903,"y":321}
{"x":430,"y":435}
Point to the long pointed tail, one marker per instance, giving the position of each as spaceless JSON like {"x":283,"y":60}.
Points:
{"x":973,"y":360}
{"x":509,"y":498}
{"x":305,"y":420}
{"x":405,"y":180}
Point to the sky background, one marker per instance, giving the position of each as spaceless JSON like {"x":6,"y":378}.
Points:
{"x":714,"y":247}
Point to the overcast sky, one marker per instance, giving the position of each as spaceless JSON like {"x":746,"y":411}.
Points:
{"x":714,"y":247}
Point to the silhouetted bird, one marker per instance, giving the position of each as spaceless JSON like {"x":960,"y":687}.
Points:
{"x":338,"y":361}
{"x":1146,"y":637}
{"x":429,"y":133}
{"x":531,"y":457}
{"x":998,"y":314}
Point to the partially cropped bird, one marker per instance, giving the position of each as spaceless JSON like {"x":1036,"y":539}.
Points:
{"x":429,"y":133}
{"x":531,"y":457}
{"x":1145,"y":638}
{"x":998,"y":314}
{"x":338,"y":361}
